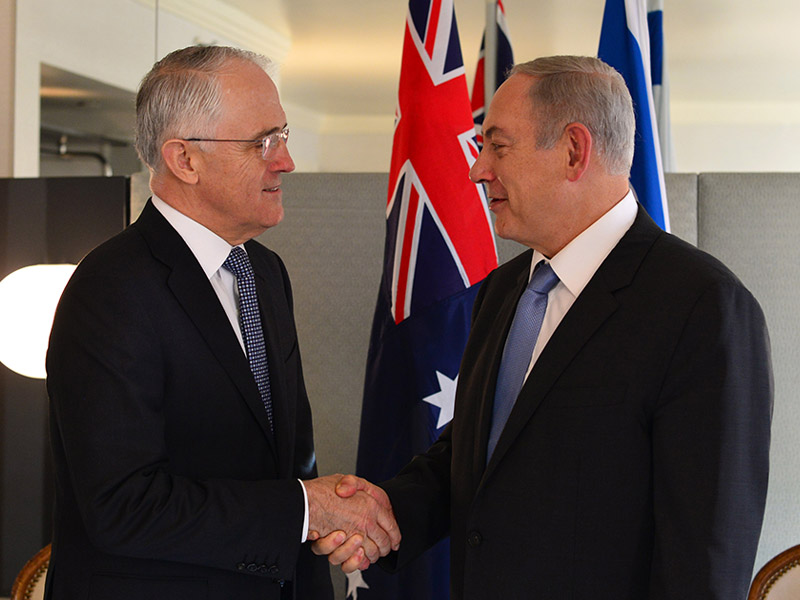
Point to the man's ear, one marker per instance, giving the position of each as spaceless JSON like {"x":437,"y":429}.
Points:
{"x":579,"y":148}
{"x":180,"y":159}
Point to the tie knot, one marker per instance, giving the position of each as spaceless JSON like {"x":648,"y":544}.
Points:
{"x":544,"y":278}
{"x":238,"y":263}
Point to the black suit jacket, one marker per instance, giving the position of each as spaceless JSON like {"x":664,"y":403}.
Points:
{"x":634,"y":463}
{"x":169,"y":483}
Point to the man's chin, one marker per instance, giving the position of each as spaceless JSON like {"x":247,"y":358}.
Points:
{"x":275,"y":217}
{"x":502,"y":229}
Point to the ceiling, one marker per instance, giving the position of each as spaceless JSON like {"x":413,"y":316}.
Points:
{"x":345,"y":54}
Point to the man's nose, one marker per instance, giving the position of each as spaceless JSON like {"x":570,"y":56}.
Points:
{"x":280,"y":159}
{"x":480,"y":173}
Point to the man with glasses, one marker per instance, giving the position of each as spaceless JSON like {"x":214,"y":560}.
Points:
{"x":181,"y":430}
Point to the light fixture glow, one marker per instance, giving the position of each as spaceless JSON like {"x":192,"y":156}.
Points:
{"x":28,"y":299}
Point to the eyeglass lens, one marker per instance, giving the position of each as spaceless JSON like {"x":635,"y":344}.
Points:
{"x":271,"y":141}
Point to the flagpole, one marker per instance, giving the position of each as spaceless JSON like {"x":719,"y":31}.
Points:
{"x":490,"y":53}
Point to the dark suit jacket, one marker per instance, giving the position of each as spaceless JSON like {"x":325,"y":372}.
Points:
{"x":634,"y":464}
{"x":169,"y":483}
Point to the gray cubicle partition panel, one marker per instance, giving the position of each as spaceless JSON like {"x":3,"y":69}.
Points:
{"x":332,"y":239}
{"x":682,"y":203}
{"x":751,"y":221}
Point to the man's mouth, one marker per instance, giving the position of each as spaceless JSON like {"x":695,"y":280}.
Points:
{"x":272,"y":189}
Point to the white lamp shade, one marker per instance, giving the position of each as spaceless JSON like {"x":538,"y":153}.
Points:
{"x":28,"y":300}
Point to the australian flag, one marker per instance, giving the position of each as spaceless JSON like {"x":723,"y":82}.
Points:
{"x":504,"y":61}
{"x":439,"y":247}
{"x":625,"y":45}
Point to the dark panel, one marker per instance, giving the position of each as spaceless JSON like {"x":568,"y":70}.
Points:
{"x":56,"y":220}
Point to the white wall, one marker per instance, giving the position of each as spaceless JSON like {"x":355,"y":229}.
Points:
{"x":354,"y":143}
{"x":7,"y":41}
{"x":731,"y":136}
{"x":339,"y":144}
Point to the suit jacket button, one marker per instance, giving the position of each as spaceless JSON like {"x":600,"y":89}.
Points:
{"x":474,"y":539}
{"x":252,"y":567}
{"x":263,"y":569}
{"x":273,"y":570}
{"x":241,"y":567}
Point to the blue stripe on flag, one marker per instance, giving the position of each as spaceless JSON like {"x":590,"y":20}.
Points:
{"x":655,"y":24}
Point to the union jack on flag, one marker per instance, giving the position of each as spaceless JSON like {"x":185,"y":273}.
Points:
{"x":439,"y":247}
{"x":429,"y":189}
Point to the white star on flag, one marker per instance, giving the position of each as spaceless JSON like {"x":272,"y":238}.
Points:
{"x":354,"y":581}
{"x":445,"y":398}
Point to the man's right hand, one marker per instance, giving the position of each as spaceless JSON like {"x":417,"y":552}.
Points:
{"x":351,"y":521}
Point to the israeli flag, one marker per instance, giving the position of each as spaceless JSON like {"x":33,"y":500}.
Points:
{"x":625,"y":44}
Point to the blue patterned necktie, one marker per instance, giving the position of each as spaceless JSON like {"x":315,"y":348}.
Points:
{"x":519,"y":348}
{"x":238,"y":263}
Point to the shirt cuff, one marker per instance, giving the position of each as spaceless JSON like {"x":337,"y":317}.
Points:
{"x":305,"y":514}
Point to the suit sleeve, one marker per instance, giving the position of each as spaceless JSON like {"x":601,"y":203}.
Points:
{"x":106,"y":380}
{"x":711,"y":433}
{"x":420,"y":493}
{"x":420,"y":497}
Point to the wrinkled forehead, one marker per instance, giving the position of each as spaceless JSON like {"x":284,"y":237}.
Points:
{"x":250,"y":99}
{"x":511,"y":106}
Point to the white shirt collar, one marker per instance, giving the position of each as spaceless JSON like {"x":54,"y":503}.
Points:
{"x":578,"y":261}
{"x":209,"y":249}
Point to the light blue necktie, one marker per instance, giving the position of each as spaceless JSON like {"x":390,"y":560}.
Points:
{"x":238,"y":263}
{"x":519,"y":348}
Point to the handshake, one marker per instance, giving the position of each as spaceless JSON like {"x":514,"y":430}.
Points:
{"x":350,"y":520}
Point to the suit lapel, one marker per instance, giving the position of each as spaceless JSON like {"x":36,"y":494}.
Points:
{"x":595,"y":304}
{"x":191,"y":288}
{"x":282,"y":409}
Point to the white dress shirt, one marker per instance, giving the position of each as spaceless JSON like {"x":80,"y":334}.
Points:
{"x":210,"y":250}
{"x":577,"y":263}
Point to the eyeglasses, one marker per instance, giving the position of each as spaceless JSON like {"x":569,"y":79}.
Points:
{"x":268,"y":143}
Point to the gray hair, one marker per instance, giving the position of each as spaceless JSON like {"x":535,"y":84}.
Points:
{"x":182,"y":90}
{"x":586,"y":90}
